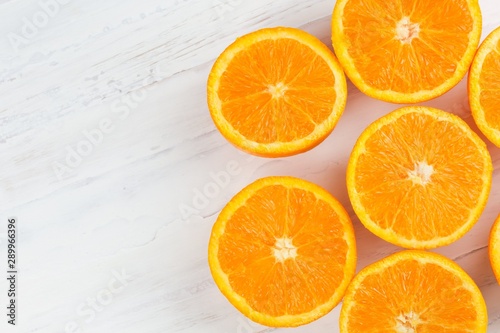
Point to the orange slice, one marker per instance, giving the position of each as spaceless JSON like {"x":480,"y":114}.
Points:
{"x":484,"y":87}
{"x":405,"y":51}
{"x":276,"y":92}
{"x":283,"y":251}
{"x":494,"y":248}
{"x":419,"y":177}
{"x":410,"y":292}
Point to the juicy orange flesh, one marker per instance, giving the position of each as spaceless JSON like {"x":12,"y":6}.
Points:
{"x":489,"y":81}
{"x":425,"y":62}
{"x":494,"y":250}
{"x":303,"y":86}
{"x":434,"y":297}
{"x":413,"y":210}
{"x":295,"y":285}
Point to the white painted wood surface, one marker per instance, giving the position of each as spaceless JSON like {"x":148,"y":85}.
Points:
{"x":113,"y":229}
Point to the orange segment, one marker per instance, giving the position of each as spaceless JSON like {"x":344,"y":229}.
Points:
{"x":494,"y":248}
{"x":283,"y":251}
{"x":413,"y":291}
{"x":484,"y":87}
{"x":276,"y":92}
{"x":405,"y":51}
{"x":419,"y":177}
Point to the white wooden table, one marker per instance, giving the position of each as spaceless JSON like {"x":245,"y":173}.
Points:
{"x":110,"y":160}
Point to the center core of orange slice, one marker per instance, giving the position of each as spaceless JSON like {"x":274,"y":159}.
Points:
{"x":421,"y":174}
{"x":406,"y":323}
{"x":278,"y":90}
{"x":407,"y":30}
{"x":284,"y":249}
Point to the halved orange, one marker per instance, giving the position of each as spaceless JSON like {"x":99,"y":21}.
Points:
{"x":494,"y":248}
{"x":405,"y":51}
{"x":419,"y":177}
{"x":283,"y":251}
{"x":410,"y":292}
{"x":484,"y":87}
{"x":276,"y":92}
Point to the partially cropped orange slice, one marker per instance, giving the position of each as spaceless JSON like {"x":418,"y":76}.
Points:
{"x":484,"y":87}
{"x":419,"y":177}
{"x":283,"y":251}
{"x":276,"y":92}
{"x":413,"y":292}
{"x":405,"y":51}
{"x":494,"y":248}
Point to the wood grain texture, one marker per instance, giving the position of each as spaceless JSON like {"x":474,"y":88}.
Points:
{"x":108,"y":147}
